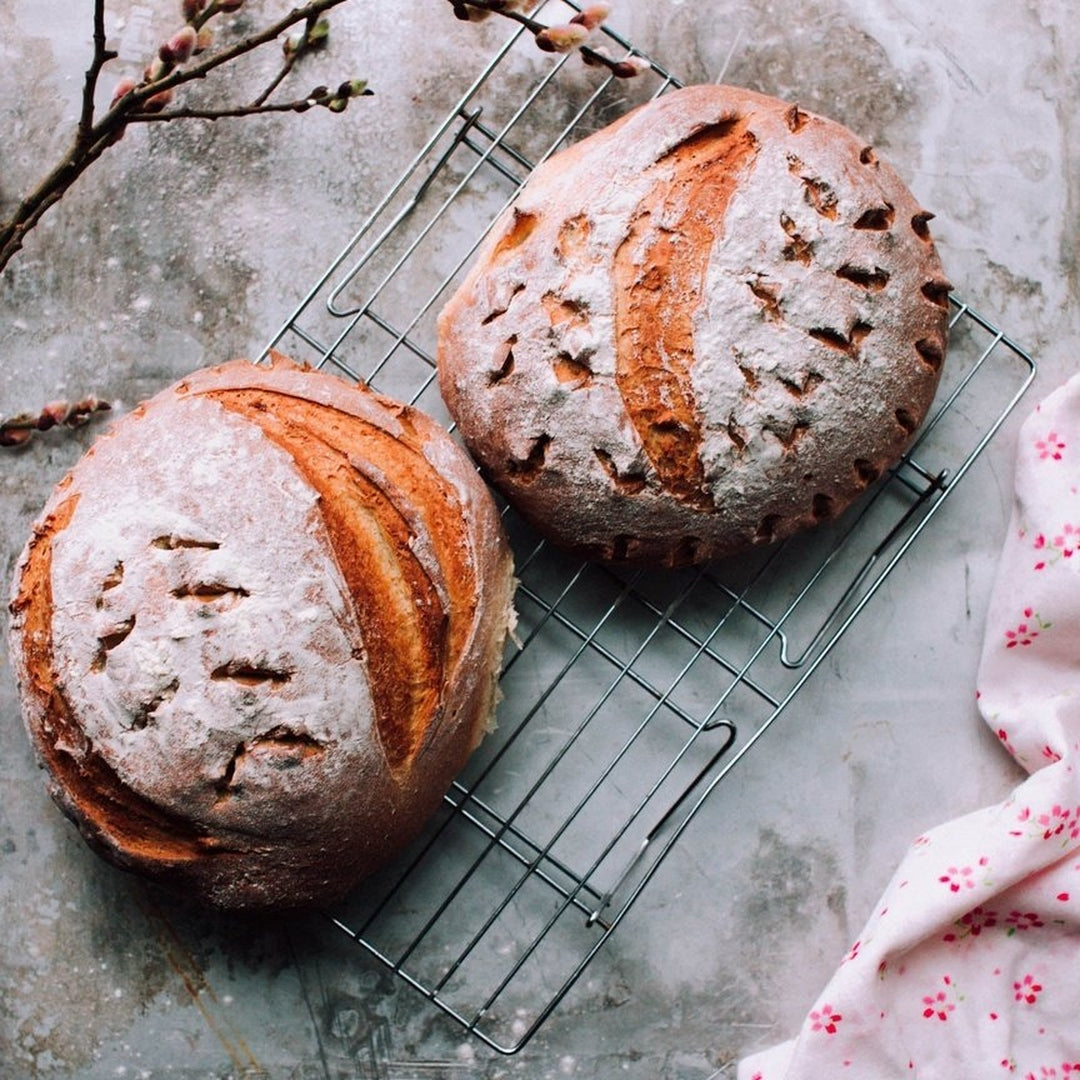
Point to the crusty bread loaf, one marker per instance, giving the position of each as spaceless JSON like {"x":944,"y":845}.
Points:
{"x":258,"y":630}
{"x":703,"y":328}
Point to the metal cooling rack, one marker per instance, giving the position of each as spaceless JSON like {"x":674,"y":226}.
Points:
{"x":628,"y":697}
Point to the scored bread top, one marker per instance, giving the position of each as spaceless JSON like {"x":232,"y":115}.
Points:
{"x":258,"y":629}
{"x":704,"y":327}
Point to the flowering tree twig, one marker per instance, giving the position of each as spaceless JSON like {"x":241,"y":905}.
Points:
{"x":17,"y":430}
{"x":185,"y":57}
{"x":560,"y":37}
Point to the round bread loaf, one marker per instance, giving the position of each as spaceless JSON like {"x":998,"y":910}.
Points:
{"x":711,"y":324}
{"x":258,"y":630}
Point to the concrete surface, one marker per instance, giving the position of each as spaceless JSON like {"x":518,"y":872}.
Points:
{"x":191,"y":243}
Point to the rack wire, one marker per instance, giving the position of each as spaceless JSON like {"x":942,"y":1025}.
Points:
{"x":628,"y":697}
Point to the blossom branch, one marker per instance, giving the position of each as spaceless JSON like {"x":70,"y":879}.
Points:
{"x":560,"y":37}
{"x":183,"y":59}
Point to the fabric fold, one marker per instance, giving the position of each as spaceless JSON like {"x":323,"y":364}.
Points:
{"x":966,"y":967}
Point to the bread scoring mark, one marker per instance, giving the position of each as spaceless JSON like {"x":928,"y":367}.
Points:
{"x":821,"y":196}
{"x":872,"y":280}
{"x":686,"y":552}
{"x":249,"y":674}
{"x":109,"y":641}
{"x":207,"y":592}
{"x":572,"y":369}
{"x":113,"y":578}
{"x":937,"y":292}
{"x":866,"y":472}
{"x":932,"y":353}
{"x":766,"y":528}
{"x":573,"y":237}
{"x":654,"y":331}
{"x":810,"y":382}
{"x":796,"y":119}
{"x":146,"y":714}
{"x":501,"y":309}
{"x":502,"y":361}
{"x":769,"y":295}
{"x":876,"y":219}
{"x":836,"y":339}
{"x":798,"y":250}
{"x":110,"y":815}
{"x":279,"y":748}
{"x":528,"y":467}
{"x":402,"y":625}
{"x":920,"y":224}
{"x":906,"y":421}
{"x":564,"y":311}
{"x":738,"y":435}
{"x":627,"y":483}
{"x":519,"y":230}
{"x":750,"y":377}
{"x":172,"y":542}
{"x":790,"y":438}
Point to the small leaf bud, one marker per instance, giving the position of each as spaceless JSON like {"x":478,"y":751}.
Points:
{"x":158,"y":101}
{"x":630,"y":68}
{"x":562,"y":38}
{"x":592,"y":16}
{"x":123,"y":88}
{"x":179,"y":48}
{"x":190,"y":9}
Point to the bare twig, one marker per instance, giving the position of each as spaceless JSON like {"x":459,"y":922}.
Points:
{"x":561,"y":37}
{"x":18,"y":430}
{"x":149,"y":100}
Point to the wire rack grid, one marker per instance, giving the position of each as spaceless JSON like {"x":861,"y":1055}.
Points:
{"x":628,"y":697}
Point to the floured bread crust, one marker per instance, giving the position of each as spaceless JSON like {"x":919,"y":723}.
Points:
{"x":258,"y":630}
{"x":703,"y":328}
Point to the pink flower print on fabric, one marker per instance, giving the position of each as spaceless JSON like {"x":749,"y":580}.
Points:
{"x":1020,"y":921}
{"x":1026,"y":631}
{"x":1061,"y":545}
{"x":1058,"y":823}
{"x":961,"y":877}
{"x":1027,"y":990}
{"x":938,"y":1006}
{"x":972,"y":924}
{"x":1050,"y":447}
{"x":825,"y":1019}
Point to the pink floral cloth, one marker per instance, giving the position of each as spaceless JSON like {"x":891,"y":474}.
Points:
{"x":970,"y":965}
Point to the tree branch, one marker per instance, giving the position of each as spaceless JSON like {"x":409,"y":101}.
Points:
{"x":94,"y":136}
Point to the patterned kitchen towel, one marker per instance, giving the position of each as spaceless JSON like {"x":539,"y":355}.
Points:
{"x":970,"y":965}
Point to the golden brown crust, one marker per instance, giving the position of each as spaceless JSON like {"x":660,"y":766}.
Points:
{"x":705,"y":327}
{"x":258,"y":631}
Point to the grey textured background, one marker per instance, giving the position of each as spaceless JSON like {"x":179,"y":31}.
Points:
{"x":190,"y":243}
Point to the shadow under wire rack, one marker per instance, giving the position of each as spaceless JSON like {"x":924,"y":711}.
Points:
{"x":628,"y":697}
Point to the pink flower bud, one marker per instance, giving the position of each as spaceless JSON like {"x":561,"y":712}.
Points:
{"x":123,"y":88}
{"x":592,"y":16}
{"x":630,"y":68}
{"x":190,"y":8}
{"x":204,"y":40}
{"x":55,"y":412}
{"x":158,"y":101}
{"x":470,"y":14}
{"x":178,"y":49}
{"x":230,"y":5}
{"x":562,"y":38}
{"x":14,"y":436}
